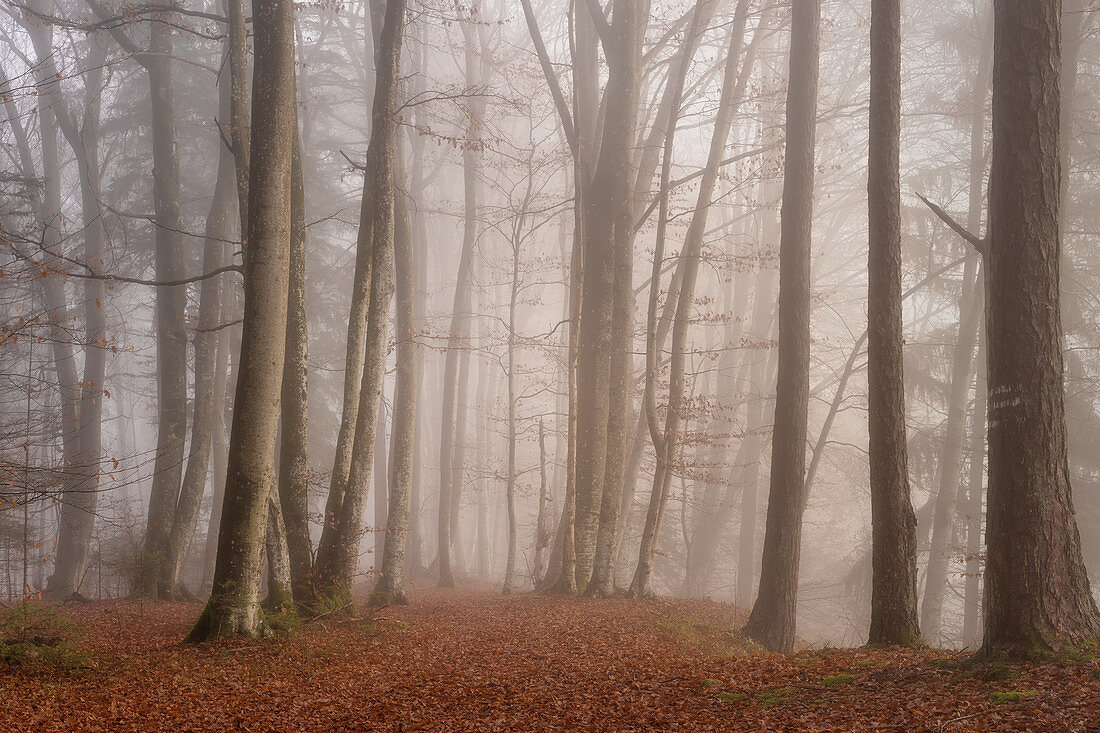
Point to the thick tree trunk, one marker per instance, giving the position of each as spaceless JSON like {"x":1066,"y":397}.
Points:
{"x":893,"y":524}
{"x":233,"y":608}
{"x":1037,"y":597}
{"x":772,"y":621}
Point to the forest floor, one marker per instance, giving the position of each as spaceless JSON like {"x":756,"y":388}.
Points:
{"x":471,"y":660}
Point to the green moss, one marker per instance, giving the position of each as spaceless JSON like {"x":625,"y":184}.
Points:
{"x":781,"y":696}
{"x":1011,"y":696}
{"x":837,"y":680}
{"x":712,"y":683}
{"x":730,"y":696}
{"x":997,"y":671}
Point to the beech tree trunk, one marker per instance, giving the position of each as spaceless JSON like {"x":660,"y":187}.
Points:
{"x":1037,"y":597}
{"x":893,"y":524}
{"x":608,"y":229}
{"x":233,"y":608}
{"x":294,"y":426}
{"x":772,"y":621}
{"x":337,"y":558}
{"x":390,"y":587}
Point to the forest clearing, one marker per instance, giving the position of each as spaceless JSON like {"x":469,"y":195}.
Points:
{"x":472,"y":660}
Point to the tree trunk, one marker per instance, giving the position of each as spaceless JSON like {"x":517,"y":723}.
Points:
{"x":280,"y":593}
{"x":1037,"y":597}
{"x":381,"y":487}
{"x":171,"y":331}
{"x":772,"y":621}
{"x":893,"y":524}
{"x":390,"y":587}
{"x":608,"y":230}
{"x":186,"y":515}
{"x":219,"y":455}
{"x":233,"y":608}
{"x":78,"y":510}
{"x":337,"y":559}
{"x":294,"y":428}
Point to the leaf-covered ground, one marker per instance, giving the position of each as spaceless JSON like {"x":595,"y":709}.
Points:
{"x":469,"y":660}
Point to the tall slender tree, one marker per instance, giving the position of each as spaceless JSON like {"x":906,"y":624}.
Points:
{"x":772,"y":621}
{"x":894,"y":526}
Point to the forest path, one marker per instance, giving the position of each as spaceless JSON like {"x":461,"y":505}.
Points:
{"x":471,"y":660}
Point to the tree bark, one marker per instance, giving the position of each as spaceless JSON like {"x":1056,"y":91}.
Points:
{"x":772,"y":621}
{"x":1037,"y":597}
{"x":233,"y":608}
{"x":337,"y":558}
{"x":893,"y":524}
{"x":390,"y":587}
{"x":294,"y":427}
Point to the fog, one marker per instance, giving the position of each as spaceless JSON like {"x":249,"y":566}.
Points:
{"x":121,"y":345}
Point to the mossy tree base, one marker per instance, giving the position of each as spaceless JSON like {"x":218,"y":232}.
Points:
{"x":386,"y":594}
{"x":219,"y":621}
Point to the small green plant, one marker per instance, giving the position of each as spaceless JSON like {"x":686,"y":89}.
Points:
{"x":36,"y":637}
{"x":730,"y":696}
{"x":867,"y":663}
{"x":712,"y":683}
{"x":775,"y":697}
{"x":837,"y":680}
{"x":1011,"y":696}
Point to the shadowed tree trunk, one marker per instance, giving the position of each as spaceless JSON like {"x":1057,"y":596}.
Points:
{"x":233,"y":608}
{"x":1037,"y":597}
{"x":772,"y":621}
{"x":893,"y":524}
